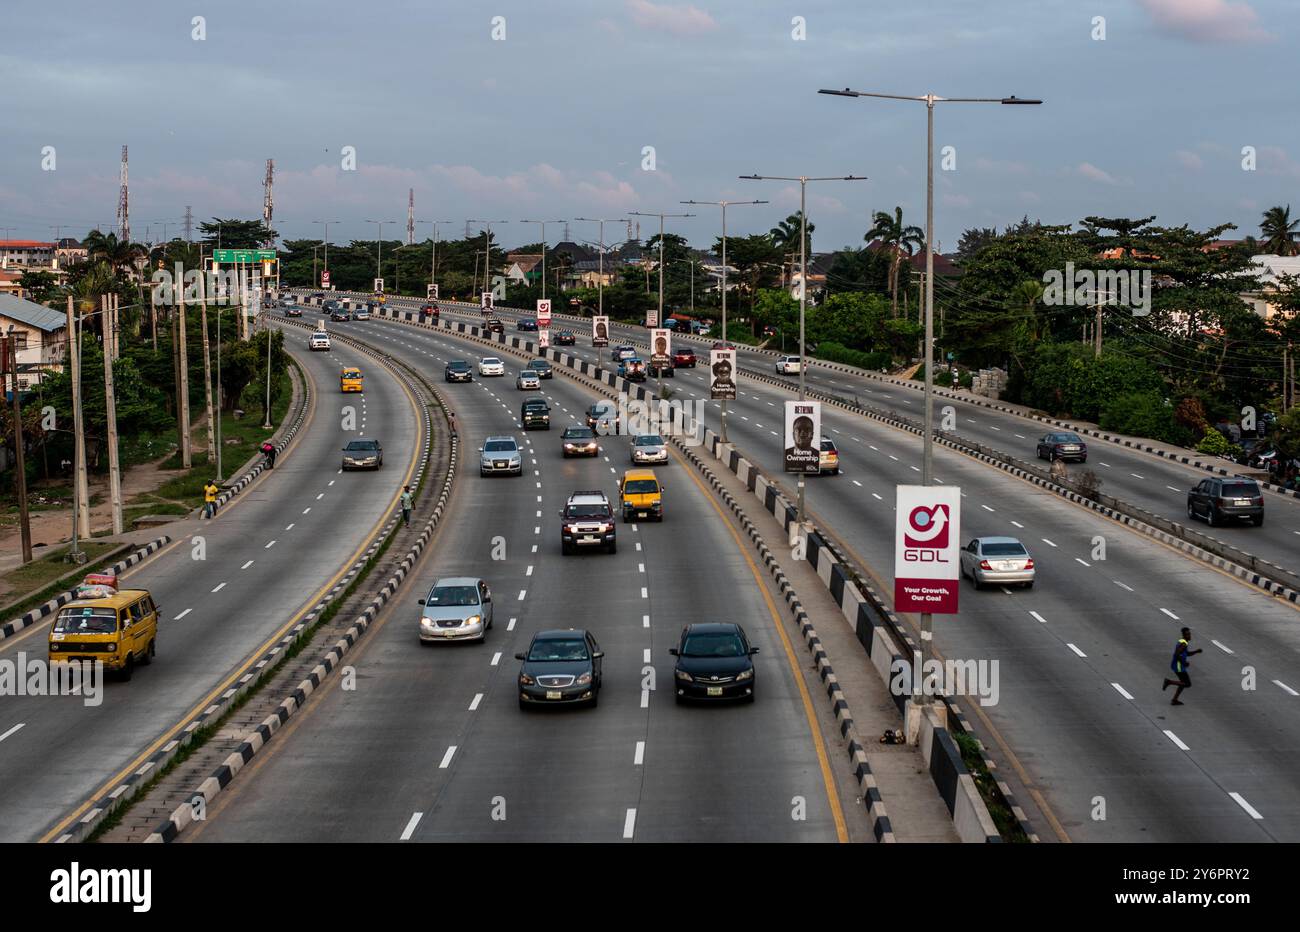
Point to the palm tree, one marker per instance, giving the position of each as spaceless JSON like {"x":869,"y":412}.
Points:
{"x":107,"y":248}
{"x":785,"y":235}
{"x":1279,"y":231}
{"x":900,"y":240}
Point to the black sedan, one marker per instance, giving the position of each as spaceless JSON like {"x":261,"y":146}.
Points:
{"x":560,"y":667}
{"x":458,"y":370}
{"x":1064,"y":445}
{"x":579,"y":441}
{"x":714,"y":661}
{"x":542,"y":368}
{"x":338,"y":315}
{"x":565,"y":338}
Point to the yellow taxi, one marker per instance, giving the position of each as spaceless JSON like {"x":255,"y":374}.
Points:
{"x":350,"y":379}
{"x":117,"y":627}
{"x":641,"y":495}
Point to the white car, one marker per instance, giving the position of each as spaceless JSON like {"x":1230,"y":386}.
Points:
{"x":787,"y":365}
{"x":490,"y":365}
{"x":528,"y":380}
{"x":649,"y":448}
{"x":320,"y":340}
{"x":997,"y":561}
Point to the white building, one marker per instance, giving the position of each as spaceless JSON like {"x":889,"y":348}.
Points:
{"x":41,"y":337}
{"x":1269,"y":269}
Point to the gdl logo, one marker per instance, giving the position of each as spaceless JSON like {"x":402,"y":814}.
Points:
{"x":926,"y":535}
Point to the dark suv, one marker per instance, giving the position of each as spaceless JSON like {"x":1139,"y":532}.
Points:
{"x":587,"y":520}
{"x":535,"y":412}
{"x":494,"y":325}
{"x":1222,"y":500}
{"x":1062,"y":446}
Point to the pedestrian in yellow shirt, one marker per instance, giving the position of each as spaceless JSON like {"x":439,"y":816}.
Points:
{"x":210,"y":499}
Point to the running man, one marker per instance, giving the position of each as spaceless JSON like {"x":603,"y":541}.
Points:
{"x":1179,"y":665}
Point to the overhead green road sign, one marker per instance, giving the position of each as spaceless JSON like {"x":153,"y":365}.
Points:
{"x":242,"y":255}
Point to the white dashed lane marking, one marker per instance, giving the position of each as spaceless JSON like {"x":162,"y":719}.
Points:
{"x":410,"y":826}
{"x":1176,"y":740}
{"x":182,"y":614}
{"x":1120,"y":689}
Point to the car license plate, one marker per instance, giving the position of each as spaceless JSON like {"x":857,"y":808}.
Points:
{"x":588,"y":539}
{"x":641,"y":514}
{"x":1242,"y":501}
{"x":448,"y":633}
{"x":553,"y":694}
{"x":715,"y":690}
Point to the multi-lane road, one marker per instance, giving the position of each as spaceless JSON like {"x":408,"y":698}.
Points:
{"x":227,"y":589}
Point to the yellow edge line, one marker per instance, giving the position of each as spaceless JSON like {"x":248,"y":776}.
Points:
{"x":832,"y":796}
{"x":238,"y":672}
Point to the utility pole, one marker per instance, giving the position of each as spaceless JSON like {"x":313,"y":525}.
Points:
{"x":724,"y":205}
{"x":266,"y":321}
{"x":379,"y":257}
{"x":410,"y":217}
{"x":543,"y":223}
{"x":81,"y":488}
{"x":123,"y":206}
{"x":207,"y":373}
{"x":110,"y":411}
{"x":183,"y":388}
{"x":20,"y":478}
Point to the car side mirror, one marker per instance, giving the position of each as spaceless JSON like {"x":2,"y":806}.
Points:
{"x":597,"y":655}
{"x":519,"y":656}
{"x":673,"y":651}
{"x":421,"y":601}
{"x":480,"y":449}
{"x":753,"y":650}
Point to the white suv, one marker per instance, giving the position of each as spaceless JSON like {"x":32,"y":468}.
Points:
{"x":788,"y":365}
{"x":320,"y":340}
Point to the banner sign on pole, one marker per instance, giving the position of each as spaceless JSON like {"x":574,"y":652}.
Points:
{"x":379,"y":286}
{"x":722,"y":363}
{"x":600,"y":331}
{"x":543,"y":312}
{"x":325,"y":278}
{"x":927,"y":545}
{"x":803,"y":436}
{"x":432,"y":292}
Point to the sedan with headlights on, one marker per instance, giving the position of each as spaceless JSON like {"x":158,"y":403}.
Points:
{"x":500,"y":455}
{"x":490,"y":365}
{"x":363,"y":454}
{"x":458,"y":608}
{"x":997,"y":560}
{"x":649,"y":448}
{"x":579,"y":441}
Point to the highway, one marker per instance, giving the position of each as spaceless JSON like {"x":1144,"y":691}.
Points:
{"x":1158,"y":485}
{"x":1081,"y":719}
{"x":431,"y":745}
{"x":266,"y":559}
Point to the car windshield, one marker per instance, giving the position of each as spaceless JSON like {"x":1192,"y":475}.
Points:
{"x":499,"y":446}
{"x":351,"y":373}
{"x":528,"y":375}
{"x":458,"y":364}
{"x":539,"y":364}
{"x":721,"y":644}
{"x":554,"y":649}
{"x":640,"y":486}
{"x":601,"y":410}
{"x":363,"y":445}
{"x":579,"y":433}
{"x":86,"y":621}
{"x":649,"y":440}
{"x":1003,"y":549}
{"x":452,"y":596}
{"x":1069,"y":438}
{"x":491,"y":361}
{"x":535,"y":405}
{"x":587,"y":511}
{"x":1241,"y":489}
{"x":828,"y":446}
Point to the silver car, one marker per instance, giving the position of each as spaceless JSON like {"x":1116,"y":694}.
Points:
{"x":528,"y":380}
{"x":649,"y":448}
{"x":997,"y":560}
{"x":500,"y":454}
{"x":458,"y":608}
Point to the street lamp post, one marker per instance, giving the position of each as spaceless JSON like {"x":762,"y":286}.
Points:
{"x":316,"y":283}
{"x":724,"y":205}
{"x":379,"y":257}
{"x":659,"y":378}
{"x":927,"y":620}
{"x":487,"y":249}
{"x":543,"y":223}
{"x":803,"y":282}
{"x":600,"y":275}
{"x":433,"y":257}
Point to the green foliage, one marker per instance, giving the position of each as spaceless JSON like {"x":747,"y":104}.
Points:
{"x":39,"y":286}
{"x":1287,"y":434}
{"x":1142,"y":414}
{"x":1215,"y":444}
{"x":1066,"y":380}
{"x":836,"y":352}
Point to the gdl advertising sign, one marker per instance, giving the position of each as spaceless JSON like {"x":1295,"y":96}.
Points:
{"x":927,"y":562}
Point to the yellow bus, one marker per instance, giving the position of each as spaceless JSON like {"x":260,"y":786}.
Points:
{"x":350,"y":379}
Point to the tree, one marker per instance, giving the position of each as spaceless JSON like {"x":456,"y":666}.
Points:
{"x":1280,"y":232}
{"x":785,"y":236}
{"x":898,"y":240}
{"x":858,"y":270}
{"x":755,"y":258}
{"x":236,"y":234}
{"x":973,"y":240}
{"x":39,"y":286}
{"x":118,"y":255}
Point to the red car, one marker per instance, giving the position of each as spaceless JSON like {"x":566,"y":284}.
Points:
{"x":429,"y":311}
{"x":684,"y":358}
{"x":724,"y":344}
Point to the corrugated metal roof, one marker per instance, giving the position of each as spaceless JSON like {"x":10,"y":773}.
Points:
{"x":31,"y":313}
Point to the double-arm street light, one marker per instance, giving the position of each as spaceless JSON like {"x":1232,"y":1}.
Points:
{"x":600,"y":282}
{"x":803,"y":282}
{"x":659,"y":318}
{"x":724,"y":205}
{"x":927,"y":622}
{"x":543,"y":223}
{"x":379,"y":258}
{"x":327,"y":245}
{"x":433,"y":258}
{"x":487,"y":249}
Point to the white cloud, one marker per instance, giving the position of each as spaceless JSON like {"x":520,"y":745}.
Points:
{"x":1189,"y":160}
{"x":1207,"y":20}
{"x":678,"y":20}
{"x":1088,"y":170}
{"x":1273,"y":160}
{"x":1029,"y":197}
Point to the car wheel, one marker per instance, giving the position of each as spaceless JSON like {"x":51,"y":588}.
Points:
{"x":595,"y":697}
{"x":1083,"y":459}
{"x":565,"y":549}
{"x":613,"y":547}
{"x":1030,"y":584}
{"x":128,"y":668}
{"x":974,"y":577}
{"x":679,"y":698}
{"x":750,"y":698}
{"x":1258,"y":522}
{"x":1211,"y":517}
{"x":148,"y":654}
{"x":523,"y":706}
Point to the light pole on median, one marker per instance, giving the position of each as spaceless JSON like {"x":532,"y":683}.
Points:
{"x":724,"y":205}
{"x":927,"y":620}
{"x":600,"y":275}
{"x":487,"y":249}
{"x":543,"y":223}
{"x":803,"y":281}
{"x":379,"y":255}
{"x":327,"y":247}
{"x":659,"y":320}
{"x":433,"y":257}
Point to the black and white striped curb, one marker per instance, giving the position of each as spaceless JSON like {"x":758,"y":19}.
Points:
{"x":285,"y":436}
{"x":103,"y":806}
{"x":211,"y":787}
{"x":63,"y":598}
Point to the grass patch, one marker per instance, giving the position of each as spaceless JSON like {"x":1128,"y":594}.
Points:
{"x":38,"y":578}
{"x":1005,"y":820}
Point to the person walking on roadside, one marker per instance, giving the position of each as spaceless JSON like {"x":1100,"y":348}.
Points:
{"x":1179,"y":665}
{"x":406,"y":505}
{"x":210,"y":500}
{"x":451,"y":419}
{"x":268,"y":450}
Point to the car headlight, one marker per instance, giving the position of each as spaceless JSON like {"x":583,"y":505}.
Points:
{"x":472,"y":620}
{"x":525,"y":680}
{"x":584,"y":679}
{"x":745,"y":674}
{"x":683,"y":676}
{"x":111,"y":646}
{"x":426,"y":622}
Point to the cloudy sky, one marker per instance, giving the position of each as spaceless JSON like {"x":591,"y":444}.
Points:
{"x":551,"y":119}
